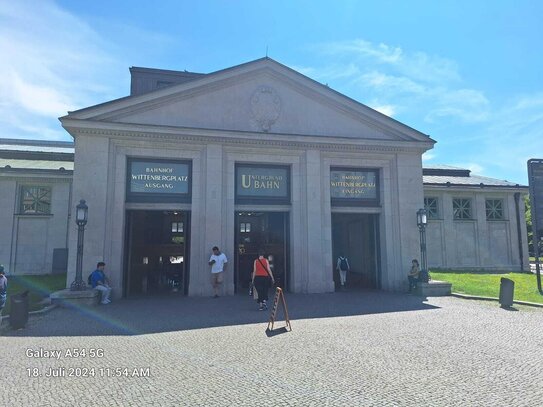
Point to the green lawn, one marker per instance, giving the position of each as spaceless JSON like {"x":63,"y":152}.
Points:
{"x":488,"y":284}
{"x":39,"y":288}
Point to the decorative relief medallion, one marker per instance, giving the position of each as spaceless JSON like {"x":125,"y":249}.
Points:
{"x":266,"y":107}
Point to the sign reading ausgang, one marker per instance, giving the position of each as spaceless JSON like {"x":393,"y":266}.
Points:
{"x":262,"y":181}
{"x":353,"y":184}
{"x":159,"y":177}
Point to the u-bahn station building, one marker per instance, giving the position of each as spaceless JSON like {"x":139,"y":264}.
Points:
{"x":257,"y":156}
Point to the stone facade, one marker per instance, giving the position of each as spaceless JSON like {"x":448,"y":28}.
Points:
{"x":477,"y":222}
{"x":260,"y":113}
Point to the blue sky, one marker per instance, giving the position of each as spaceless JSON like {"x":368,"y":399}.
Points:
{"x":468,"y":73}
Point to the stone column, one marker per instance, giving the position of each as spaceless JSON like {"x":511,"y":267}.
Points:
{"x":213,"y":221}
{"x":90,"y":183}
{"x":316,"y":275}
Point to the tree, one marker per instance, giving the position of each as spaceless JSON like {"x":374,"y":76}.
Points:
{"x":528,"y":216}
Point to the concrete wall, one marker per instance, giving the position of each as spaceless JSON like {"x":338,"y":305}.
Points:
{"x":8,"y":186}
{"x":477,"y":243}
{"x":27,"y":241}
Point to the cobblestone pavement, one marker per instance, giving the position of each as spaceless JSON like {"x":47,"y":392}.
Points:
{"x":345,"y":349}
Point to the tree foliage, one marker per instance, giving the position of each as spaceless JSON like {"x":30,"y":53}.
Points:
{"x":528,"y":216}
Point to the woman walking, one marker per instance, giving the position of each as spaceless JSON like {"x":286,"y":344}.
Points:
{"x":262,"y":275}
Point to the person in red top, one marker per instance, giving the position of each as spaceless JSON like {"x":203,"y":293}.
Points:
{"x":262,"y":275}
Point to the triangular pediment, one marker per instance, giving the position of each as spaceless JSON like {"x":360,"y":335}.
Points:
{"x":260,"y":96}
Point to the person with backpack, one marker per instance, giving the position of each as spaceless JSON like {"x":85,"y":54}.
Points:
{"x":262,"y":276}
{"x":343,"y":267}
{"x":3,"y":290}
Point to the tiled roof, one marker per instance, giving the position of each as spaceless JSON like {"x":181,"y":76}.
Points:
{"x":446,"y":175}
{"x":37,"y":146}
{"x":35,"y":165}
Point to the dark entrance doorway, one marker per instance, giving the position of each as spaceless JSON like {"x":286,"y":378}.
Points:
{"x":157,"y":257}
{"x":355,"y":236}
{"x":261,"y":230}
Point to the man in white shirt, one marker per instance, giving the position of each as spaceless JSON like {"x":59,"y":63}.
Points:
{"x":218,"y":263}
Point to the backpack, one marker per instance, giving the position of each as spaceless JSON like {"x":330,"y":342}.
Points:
{"x":343,"y":265}
{"x":89,"y":280}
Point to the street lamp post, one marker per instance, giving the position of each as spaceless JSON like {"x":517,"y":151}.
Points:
{"x":422,"y":221}
{"x":81,"y":217}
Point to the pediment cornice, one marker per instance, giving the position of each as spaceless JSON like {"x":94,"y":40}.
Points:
{"x":227,"y":137}
{"x":266,"y":69}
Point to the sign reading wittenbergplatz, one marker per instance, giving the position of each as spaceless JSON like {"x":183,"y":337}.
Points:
{"x":262,"y":183}
{"x":158,"y":180}
{"x":354,"y":185}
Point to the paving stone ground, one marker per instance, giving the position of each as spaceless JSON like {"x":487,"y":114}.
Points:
{"x":345,"y":349}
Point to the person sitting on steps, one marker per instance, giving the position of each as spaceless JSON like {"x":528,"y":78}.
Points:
{"x":413,"y":276}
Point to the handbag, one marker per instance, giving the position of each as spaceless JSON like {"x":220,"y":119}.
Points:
{"x":255,"y":294}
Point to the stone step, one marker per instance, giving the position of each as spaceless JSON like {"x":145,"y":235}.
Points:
{"x":433,"y":288}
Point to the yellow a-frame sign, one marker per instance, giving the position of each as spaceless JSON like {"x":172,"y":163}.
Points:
{"x":278,"y":293}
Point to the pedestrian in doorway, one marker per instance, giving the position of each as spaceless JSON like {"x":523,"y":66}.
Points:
{"x":3,"y":290}
{"x":343,"y":267}
{"x":100,"y":282}
{"x":218,"y":262}
{"x":413,"y":276}
{"x":262,"y":277}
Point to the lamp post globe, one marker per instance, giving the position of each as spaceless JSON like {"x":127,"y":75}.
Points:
{"x":81,"y":213}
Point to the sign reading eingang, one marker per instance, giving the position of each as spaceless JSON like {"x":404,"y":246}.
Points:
{"x":350,"y":186}
{"x":156,"y":180}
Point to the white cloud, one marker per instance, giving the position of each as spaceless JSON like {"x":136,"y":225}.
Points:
{"x":381,"y":52}
{"x":388,"y":110}
{"x":52,"y":62}
{"x":408,"y":80}
{"x":466,"y":104}
{"x":390,"y":84}
{"x":417,"y":65}
{"x":428,"y":156}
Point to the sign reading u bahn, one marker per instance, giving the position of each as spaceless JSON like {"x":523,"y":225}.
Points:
{"x":262,"y":184}
{"x":355,"y":185}
{"x":158,"y":180}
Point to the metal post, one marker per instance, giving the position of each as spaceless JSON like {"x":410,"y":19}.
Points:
{"x":79,"y":284}
{"x":421,"y":223}
{"x":537,"y":255}
{"x":81,"y":220}
{"x":423,"y":262}
{"x":535,"y":179}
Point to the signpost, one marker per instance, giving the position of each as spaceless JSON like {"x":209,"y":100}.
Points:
{"x":535,"y":180}
{"x":278,"y":294}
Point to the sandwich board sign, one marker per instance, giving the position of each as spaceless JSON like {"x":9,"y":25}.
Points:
{"x":278,"y":297}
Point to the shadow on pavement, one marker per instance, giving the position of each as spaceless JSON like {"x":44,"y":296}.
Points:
{"x":166,"y":314}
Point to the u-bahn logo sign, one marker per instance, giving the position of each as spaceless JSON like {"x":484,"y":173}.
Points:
{"x":262,"y":182}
